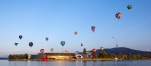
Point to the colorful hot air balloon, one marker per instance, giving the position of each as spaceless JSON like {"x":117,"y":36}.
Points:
{"x":93,"y":28}
{"x":41,"y":50}
{"x":30,"y":44}
{"x":62,"y":43}
{"x":20,"y":37}
{"x":81,"y":44}
{"x":16,"y":44}
{"x":94,"y":50}
{"x":129,"y":7}
{"x":75,"y":32}
{"x":51,"y":49}
{"x":102,"y":48}
{"x":46,"y":38}
{"x":118,"y":15}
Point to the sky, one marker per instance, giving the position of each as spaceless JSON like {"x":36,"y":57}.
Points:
{"x":59,"y":19}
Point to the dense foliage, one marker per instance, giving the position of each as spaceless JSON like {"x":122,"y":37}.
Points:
{"x":18,"y":56}
{"x":124,"y":56}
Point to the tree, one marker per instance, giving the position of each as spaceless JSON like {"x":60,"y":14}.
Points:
{"x":84,"y":53}
{"x":94,"y":55}
{"x":26,"y":56}
{"x":119,"y":55}
{"x":104,"y":55}
{"x":10,"y":57}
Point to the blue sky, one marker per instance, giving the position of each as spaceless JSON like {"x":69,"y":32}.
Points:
{"x":59,"y":19}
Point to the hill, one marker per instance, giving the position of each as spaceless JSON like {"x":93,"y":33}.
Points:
{"x":123,"y":50}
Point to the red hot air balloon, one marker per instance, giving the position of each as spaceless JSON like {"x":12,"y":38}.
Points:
{"x":118,"y":15}
{"x":94,"y":50}
{"x":93,"y":28}
{"x":75,"y":32}
{"x":41,"y":50}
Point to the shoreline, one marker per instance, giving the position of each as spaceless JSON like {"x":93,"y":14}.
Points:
{"x":70,"y":59}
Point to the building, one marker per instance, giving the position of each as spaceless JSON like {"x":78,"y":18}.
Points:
{"x":53,"y":55}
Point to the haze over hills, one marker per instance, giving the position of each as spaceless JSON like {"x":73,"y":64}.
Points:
{"x":123,"y":50}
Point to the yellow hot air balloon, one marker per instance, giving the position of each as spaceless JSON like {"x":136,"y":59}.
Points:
{"x":102,"y":48}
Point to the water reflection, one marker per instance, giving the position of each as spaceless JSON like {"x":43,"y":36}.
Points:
{"x":76,"y":63}
{"x":102,"y":63}
{"x":84,"y":63}
{"x":28,"y":63}
{"x":94,"y":63}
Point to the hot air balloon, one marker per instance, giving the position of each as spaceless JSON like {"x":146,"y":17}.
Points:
{"x":93,"y":28}
{"x":102,"y":48}
{"x":112,"y":37}
{"x":41,"y":50}
{"x":46,"y":38}
{"x":20,"y":37}
{"x":51,"y":49}
{"x":118,"y":15}
{"x":62,"y":43}
{"x":30,"y":44}
{"x":81,"y":44}
{"x":129,"y":7}
{"x":94,"y":50}
{"x":16,"y":44}
{"x":75,"y":32}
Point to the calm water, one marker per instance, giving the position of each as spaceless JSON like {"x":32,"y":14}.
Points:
{"x":75,"y":63}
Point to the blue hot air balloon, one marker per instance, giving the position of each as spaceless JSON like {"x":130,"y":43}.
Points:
{"x":46,"y":38}
{"x":20,"y":37}
{"x":16,"y":44}
{"x":30,"y":44}
{"x":81,"y":44}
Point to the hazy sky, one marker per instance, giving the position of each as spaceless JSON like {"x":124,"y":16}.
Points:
{"x":59,"y":19}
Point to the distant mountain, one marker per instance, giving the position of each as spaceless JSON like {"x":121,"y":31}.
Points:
{"x":5,"y":56}
{"x":123,"y":50}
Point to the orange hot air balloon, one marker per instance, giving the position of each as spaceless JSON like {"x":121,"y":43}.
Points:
{"x":75,"y":32}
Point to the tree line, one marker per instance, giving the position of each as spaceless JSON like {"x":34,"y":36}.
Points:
{"x":118,"y":55}
{"x":102,"y":54}
{"x":18,"y":56}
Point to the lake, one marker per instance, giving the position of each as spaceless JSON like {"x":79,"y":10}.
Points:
{"x":76,"y":63}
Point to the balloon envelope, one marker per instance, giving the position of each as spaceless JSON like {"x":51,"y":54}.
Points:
{"x":20,"y":36}
{"x":46,"y":38}
{"x":118,"y":15}
{"x":129,"y":7}
{"x":30,"y":44}
{"x":51,"y":49}
{"x":94,"y":50}
{"x":102,"y":48}
{"x":75,"y":32}
{"x":93,"y":28}
{"x":41,"y":50}
{"x":81,"y":44}
{"x":62,"y":43}
{"x":16,"y":44}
